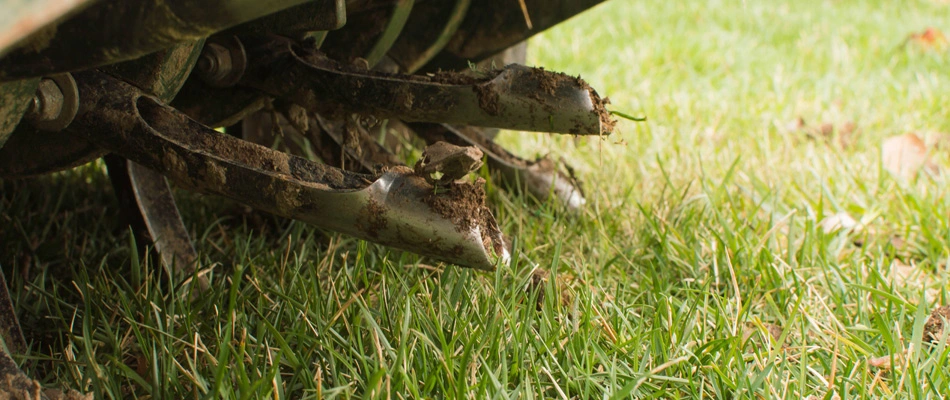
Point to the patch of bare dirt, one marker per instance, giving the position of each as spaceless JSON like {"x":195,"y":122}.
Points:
{"x":563,"y":287}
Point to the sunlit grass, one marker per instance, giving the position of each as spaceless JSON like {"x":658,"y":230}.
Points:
{"x":700,"y":237}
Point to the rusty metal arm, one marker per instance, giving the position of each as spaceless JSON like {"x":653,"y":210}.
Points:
{"x":397,"y":209}
{"x":516,"y":97}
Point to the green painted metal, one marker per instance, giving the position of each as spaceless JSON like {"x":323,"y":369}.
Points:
{"x":397,"y":21}
{"x":448,"y":31}
{"x":15,"y":99}
{"x":125,"y":30}
{"x":32,"y":152}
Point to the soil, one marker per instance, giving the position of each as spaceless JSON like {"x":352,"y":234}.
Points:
{"x":461,"y":202}
{"x":934,"y":327}
{"x":452,"y":161}
{"x":548,"y":82}
{"x":487,"y":98}
{"x":607,"y":122}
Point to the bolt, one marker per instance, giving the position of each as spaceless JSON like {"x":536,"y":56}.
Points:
{"x":47,"y":104}
{"x":215,"y":62}
{"x":221,"y":65}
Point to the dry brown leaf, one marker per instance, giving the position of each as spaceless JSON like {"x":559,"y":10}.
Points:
{"x":883,"y":362}
{"x":840,"y":134}
{"x":930,"y":38}
{"x":937,"y":140}
{"x":750,"y":330}
{"x":904,"y":155}
{"x":902,"y":273}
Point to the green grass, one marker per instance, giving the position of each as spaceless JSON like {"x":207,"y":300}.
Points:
{"x":701,"y":233}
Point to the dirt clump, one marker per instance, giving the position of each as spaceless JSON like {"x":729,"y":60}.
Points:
{"x":452,"y":161}
{"x":607,"y":122}
{"x":461,"y":202}
{"x":547,"y":81}
{"x":935,"y":327}
{"x":487,"y":99}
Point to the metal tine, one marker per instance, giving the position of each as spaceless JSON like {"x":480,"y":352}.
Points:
{"x":149,"y":206}
{"x":336,"y":141}
{"x":398,"y":209}
{"x":515,"y":97}
{"x":350,"y":137}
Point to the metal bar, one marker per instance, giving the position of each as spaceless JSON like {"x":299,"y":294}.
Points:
{"x":149,"y":206}
{"x":323,"y":15}
{"x":16,"y":97}
{"x":370,"y":155}
{"x":398,"y":208}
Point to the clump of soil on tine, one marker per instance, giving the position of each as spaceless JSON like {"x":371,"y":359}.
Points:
{"x":487,"y":99}
{"x":607,"y":123}
{"x":463,"y":203}
{"x":934,"y":327}
{"x":460,"y":202}
{"x":548,"y":82}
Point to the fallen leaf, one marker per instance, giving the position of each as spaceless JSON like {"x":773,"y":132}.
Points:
{"x":840,"y":134}
{"x":937,"y":140}
{"x":930,"y":38}
{"x":837,"y":222}
{"x":834,"y":396}
{"x":883,"y":362}
{"x":904,"y":155}
{"x":902,"y":273}
{"x":751,"y":330}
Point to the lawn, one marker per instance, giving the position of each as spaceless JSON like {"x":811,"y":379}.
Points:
{"x":706,"y":264}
